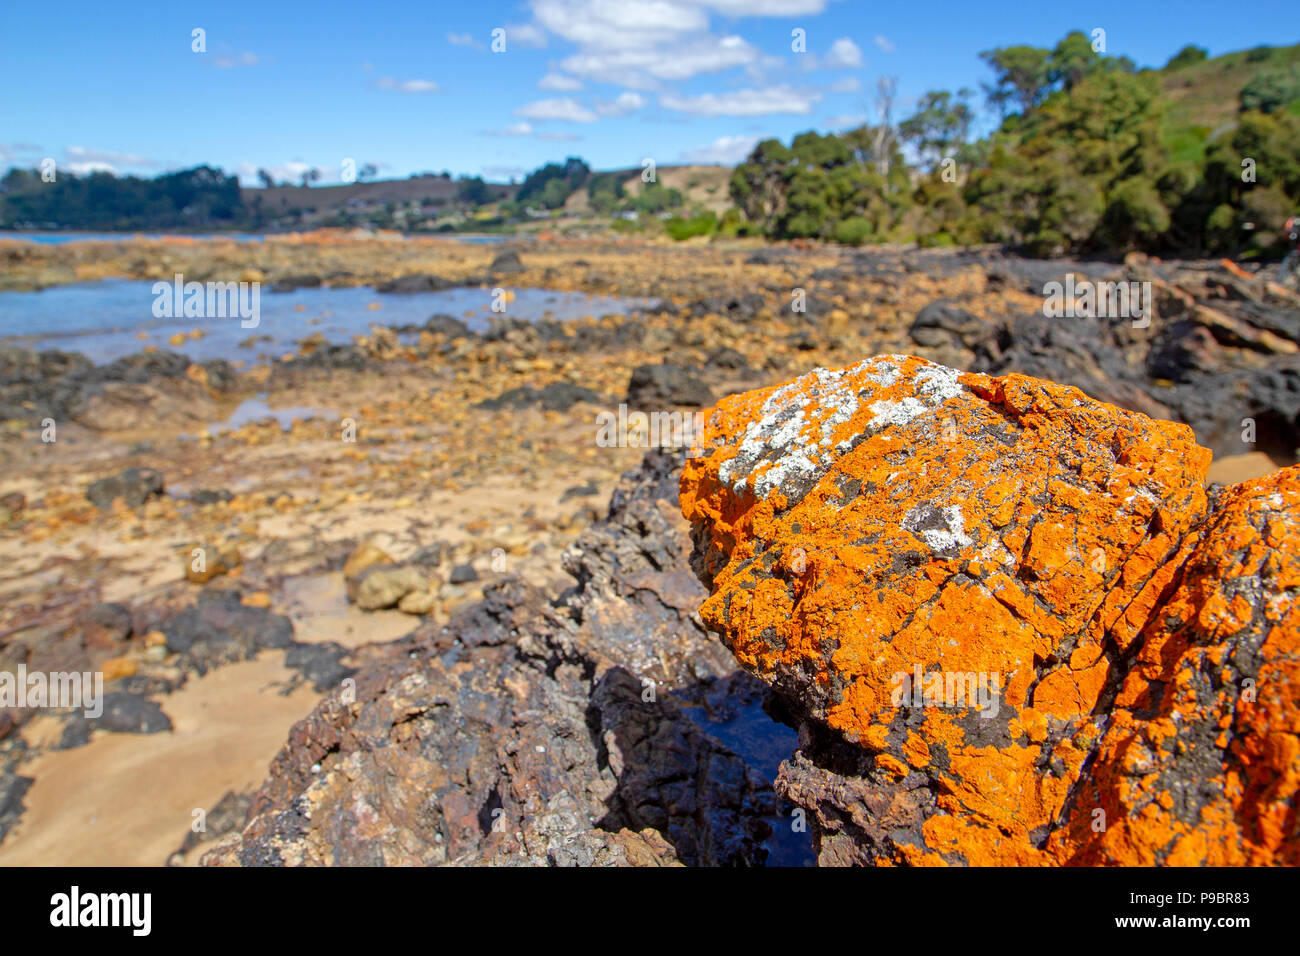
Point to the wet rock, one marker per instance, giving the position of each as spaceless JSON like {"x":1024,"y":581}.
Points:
{"x":415,"y":283}
{"x":289,"y":283}
{"x":134,"y":486}
{"x":664,"y":386}
{"x":966,"y":587}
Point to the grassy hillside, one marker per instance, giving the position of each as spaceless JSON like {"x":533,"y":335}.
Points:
{"x":1204,"y":98}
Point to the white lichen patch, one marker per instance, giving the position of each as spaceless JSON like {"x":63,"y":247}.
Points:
{"x":792,"y":445}
{"x":942,"y":529}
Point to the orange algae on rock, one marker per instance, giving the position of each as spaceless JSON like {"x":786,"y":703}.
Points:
{"x":970,"y":583}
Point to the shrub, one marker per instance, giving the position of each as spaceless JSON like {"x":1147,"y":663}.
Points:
{"x":703,"y":224}
{"x":1270,"y":91}
{"x":1187,"y":56}
{"x":854,"y":231}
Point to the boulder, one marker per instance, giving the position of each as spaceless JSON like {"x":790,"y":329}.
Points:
{"x":134,"y":486}
{"x":665,"y":386}
{"x":976,"y":592}
{"x":533,"y":730}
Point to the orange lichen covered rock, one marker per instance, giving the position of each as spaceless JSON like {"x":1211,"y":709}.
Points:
{"x":954,"y":579}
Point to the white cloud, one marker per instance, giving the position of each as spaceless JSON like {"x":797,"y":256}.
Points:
{"x":725,"y":150}
{"x":646,"y":68}
{"x":563,"y":108}
{"x":844,"y":121}
{"x":845,"y":53}
{"x":464,"y":39}
{"x":514,"y":129}
{"x":846,"y":84}
{"x":82,"y":154}
{"x":766,"y":8}
{"x":79,"y":160}
{"x":625,"y":103}
{"x":884,"y":44}
{"x":527,"y":35}
{"x":407,"y":86}
{"x":642,"y":44}
{"x":753,"y":102}
{"x":230,"y":62}
{"x":559,"y":82}
{"x":526,"y":129}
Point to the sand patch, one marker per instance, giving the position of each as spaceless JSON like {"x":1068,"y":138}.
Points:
{"x":128,"y":799}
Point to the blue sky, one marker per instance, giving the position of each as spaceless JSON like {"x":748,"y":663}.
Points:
{"x":415,"y":86}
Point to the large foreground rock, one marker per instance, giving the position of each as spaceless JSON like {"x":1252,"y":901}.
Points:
{"x":1013,"y":625}
{"x":531,"y":730}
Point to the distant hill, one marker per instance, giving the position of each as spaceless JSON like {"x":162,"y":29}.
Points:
{"x":1204,"y":97}
{"x":428,"y":192}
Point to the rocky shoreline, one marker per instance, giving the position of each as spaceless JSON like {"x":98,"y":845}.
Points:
{"x":539,"y":590}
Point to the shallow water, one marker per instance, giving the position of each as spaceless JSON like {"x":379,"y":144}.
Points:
{"x":111,"y":318}
{"x":762,"y":743}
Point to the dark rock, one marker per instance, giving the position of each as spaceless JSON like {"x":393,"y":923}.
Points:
{"x":321,"y":664}
{"x":506,"y":263}
{"x":463,"y":574}
{"x":134,"y":486}
{"x":227,"y":815}
{"x":529,"y":730}
{"x":579,"y":491}
{"x":556,"y":397}
{"x":430,"y":556}
{"x":726,"y":358}
{"x":415,"y":283}
{"x":449,"y":326}
{"x":205,"y":496}
{"x":130,"y":714}
{"x":661,"y":386}
{"x":289,"y":283}
{"x":219,"y":630}
{"x":76,"y":732}
{"x":942,"y":323}
{"x":108,"y":624}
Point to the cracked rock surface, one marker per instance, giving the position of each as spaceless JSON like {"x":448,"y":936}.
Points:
{"x":1004,"y":612}
{"x":530,"y":731}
